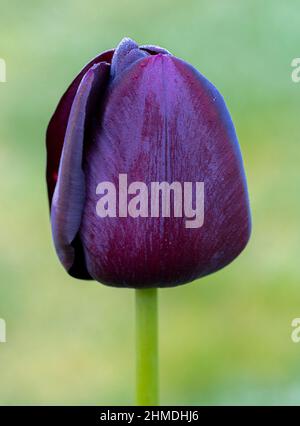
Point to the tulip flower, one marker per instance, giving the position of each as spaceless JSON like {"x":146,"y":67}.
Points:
{"x":145,"y":177}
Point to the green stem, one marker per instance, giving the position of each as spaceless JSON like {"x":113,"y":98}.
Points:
{"x":146,"y":347}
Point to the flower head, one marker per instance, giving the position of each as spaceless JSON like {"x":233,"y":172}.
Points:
{"x":145,"y":177}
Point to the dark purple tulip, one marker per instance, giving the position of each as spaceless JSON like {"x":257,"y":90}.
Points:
{"x":143,"y":112}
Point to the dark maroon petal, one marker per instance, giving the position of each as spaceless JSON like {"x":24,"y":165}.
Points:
{"x":163,"y":121}
{"x":69,"y":195}
{"x":59,"y":121}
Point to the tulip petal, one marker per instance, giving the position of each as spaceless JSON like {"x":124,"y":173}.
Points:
{"x":164,"y":121}
{"x":125,"y":55}
{"x":69,"y":194}
{"x":59,"y":121}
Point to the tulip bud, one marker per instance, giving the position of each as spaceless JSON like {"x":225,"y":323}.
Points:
{"x":145,"y":177}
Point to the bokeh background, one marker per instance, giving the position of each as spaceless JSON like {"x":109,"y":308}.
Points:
{"x":225,"y":339}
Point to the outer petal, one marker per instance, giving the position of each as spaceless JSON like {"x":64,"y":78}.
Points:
{"x":69,"y":195}
{"x":163,"y":121}
{"x":58,"y":124}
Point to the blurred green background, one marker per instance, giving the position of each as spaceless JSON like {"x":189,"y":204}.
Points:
{"x":223,"y":340}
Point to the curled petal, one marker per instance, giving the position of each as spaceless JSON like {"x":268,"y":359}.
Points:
{"x":69,"y":195}
{"x":126,"y":54}
{"x":58,"y":124}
